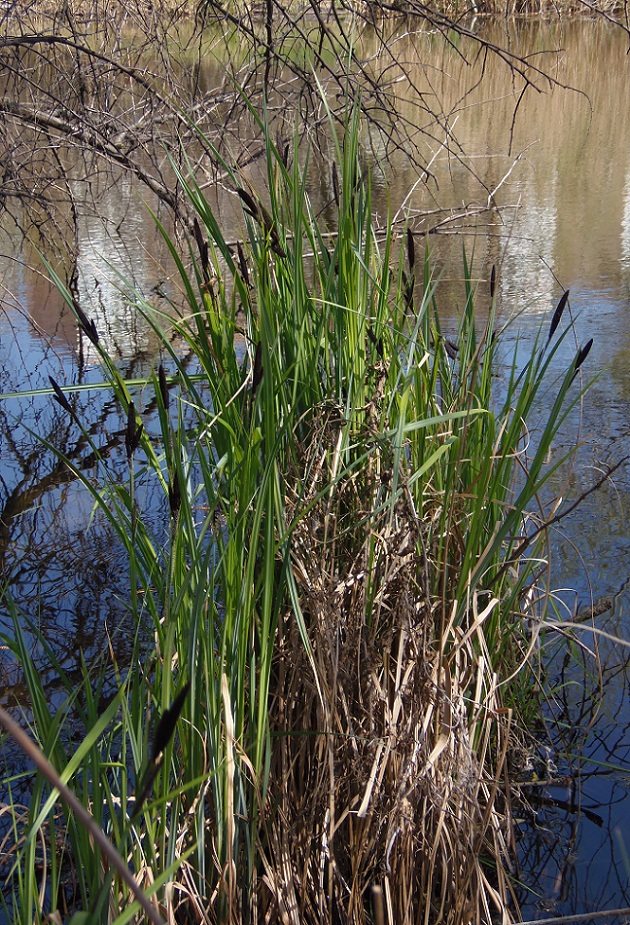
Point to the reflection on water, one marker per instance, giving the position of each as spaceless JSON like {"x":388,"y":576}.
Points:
{"x":625,"y":230}
{"x":575,"y":837}
{"x":560,"y":171}
{"x":121,"y":243}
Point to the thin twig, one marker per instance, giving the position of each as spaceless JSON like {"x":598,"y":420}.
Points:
{"x":45,"y":767}
{"x":579,"y":917}
{"x":527,"y":541}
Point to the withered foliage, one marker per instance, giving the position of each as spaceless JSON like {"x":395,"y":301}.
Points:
{"x":390,"y":767}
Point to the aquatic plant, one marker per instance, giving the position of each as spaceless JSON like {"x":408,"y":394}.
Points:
{"x":313,"y":725}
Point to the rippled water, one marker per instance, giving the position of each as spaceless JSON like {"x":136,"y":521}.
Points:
{"x":559,"y":169}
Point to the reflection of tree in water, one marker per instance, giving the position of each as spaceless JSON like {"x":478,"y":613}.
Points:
{"x":574,"y":834}
{"x":63,"y":564}
{"x":60,"y":561}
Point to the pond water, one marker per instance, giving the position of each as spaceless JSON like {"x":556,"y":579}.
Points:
{"x":558,"y":167}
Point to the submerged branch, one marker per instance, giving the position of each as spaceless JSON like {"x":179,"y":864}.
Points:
{"x":581,"y":917}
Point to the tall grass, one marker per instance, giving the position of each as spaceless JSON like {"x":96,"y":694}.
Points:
{"x":334,"y":603}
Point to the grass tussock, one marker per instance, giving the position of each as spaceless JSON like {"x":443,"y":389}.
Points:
{"x":391,"y":749}
{"x":314,"y":723}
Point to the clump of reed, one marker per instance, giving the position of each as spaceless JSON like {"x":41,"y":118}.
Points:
{"x":335,"y":603}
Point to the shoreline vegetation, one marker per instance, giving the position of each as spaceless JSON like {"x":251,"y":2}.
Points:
{"x":339,"y":621}
{"x":344,"y":602}
{"x":369,"y":9}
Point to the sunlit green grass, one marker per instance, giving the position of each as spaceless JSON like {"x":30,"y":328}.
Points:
{"x":327,"y":420}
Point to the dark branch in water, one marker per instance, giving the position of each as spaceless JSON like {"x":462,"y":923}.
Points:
{"x":528,"y":540}
{"x":581,"y":917}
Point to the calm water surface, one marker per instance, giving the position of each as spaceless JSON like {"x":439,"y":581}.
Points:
{"x":560,"y":172}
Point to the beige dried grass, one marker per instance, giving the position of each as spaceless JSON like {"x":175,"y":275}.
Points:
{"x":391,"y":765}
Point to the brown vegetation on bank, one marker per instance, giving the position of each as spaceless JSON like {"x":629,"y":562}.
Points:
{"x":172,"y":11}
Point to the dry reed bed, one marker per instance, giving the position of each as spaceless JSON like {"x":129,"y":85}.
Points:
{"x":390,"y":764}
{"x":143,"y":10}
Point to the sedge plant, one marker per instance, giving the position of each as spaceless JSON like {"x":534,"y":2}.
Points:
{"x":337,"y":581}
